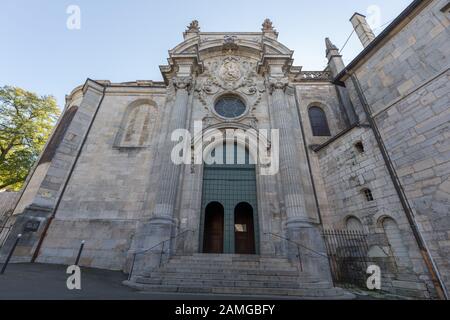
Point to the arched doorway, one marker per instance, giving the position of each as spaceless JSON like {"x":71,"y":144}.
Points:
{"x":244,"y":230}
{"x":213,"y":236}
{"x":229,"y":179}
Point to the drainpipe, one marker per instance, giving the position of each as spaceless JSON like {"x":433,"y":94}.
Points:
{"x":44,"y":233}
{"x":431,"y":265}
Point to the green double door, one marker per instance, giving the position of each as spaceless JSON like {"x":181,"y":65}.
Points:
{"x":229,"y":221}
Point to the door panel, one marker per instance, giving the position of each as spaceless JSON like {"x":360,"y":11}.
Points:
{"x":244,"y":233}
{"x":214,"y":224}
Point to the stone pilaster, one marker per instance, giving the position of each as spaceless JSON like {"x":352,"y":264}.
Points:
{"x":159,"y":228}
{"x":289,"y":172}
{"x":166,"y":196}
{"x":300,"y":228}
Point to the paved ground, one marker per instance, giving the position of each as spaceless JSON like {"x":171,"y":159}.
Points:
{"x":30,"y":281}
{"x":46,"y":281}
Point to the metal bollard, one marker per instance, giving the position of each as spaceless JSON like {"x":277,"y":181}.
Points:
{"x":79,"y":253}
{"x":10,"y":254}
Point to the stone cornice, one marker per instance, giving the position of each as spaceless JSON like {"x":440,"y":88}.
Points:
{"x":94,"y":85}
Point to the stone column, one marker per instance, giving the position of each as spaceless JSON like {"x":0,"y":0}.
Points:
{"x":160,"y":225}
{"x":300,"y":228}
{"x":289,"y":171}
{"x":167,"y":193}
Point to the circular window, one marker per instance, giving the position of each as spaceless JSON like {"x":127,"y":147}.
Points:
{"x":230,"y":107}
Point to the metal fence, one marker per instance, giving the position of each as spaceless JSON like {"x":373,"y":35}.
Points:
{"x":348,"y":255}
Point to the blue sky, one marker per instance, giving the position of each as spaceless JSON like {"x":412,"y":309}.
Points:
{"x":127,"y":40}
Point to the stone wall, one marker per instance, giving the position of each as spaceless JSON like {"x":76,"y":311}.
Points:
{"x":344,"y":173}
{"x":406,"y":83}
{"x":324,"y":96}
{"x":103,"y":201}
{"x":36,"y":208}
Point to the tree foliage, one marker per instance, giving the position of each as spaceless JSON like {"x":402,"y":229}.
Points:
{"x":26,"y":121}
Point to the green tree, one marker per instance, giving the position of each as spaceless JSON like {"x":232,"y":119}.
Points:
{"x":26,"y":121}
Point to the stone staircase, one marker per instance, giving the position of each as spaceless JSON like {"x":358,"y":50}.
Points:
{"x":235,"y":275}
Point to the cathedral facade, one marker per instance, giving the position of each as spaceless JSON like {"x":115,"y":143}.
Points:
{"x":360,"y":151}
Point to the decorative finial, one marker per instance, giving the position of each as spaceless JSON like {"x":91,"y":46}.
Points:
{"x":267,"y":26}
{"x":268,"y":29}
{"x":193,"y":27}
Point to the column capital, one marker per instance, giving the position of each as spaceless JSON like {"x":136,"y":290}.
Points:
{"x":277,"y":83}
{"x":183,"y":82}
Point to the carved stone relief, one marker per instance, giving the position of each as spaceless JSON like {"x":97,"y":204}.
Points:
{"x":230,"y":74}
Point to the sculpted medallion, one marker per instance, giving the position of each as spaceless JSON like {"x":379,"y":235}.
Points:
{"x":230,"y":70}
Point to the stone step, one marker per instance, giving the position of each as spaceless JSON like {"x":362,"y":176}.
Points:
{"x":233,"y":262}
{"x":208,"y":270}
{"x":227,"y":256}
{"x":231,"y":283}
{"x":214,"y":265}
{"x":236,"y":275}
{"x":231,"y":258}
{"x":305,"y":293}
{"x":254,"y":274}
{"x":217,"y":283}
{"x":225,"y":276}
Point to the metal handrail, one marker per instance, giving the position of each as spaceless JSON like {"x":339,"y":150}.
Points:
{"x":298,"y":248}
{"x":298,"y":244}
{"x":135,"y":253}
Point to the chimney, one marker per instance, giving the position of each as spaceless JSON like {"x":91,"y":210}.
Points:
{"x":362,"y":28}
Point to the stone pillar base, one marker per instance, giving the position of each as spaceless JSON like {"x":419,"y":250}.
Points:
{"x":31,"y":224}
{"x":313,"y":254}
{"x":151,"y":245}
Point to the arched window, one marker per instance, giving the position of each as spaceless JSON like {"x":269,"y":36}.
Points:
{"x":396,"y":241}
{"x":137,"y":125}
{"x":367,"y":194}
{"x":354,"y":224}
{"x":319,"y":123}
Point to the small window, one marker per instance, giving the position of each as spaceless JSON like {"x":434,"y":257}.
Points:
{"x":359,"y":147}
{"x":319,"y":123}
{"x":368,"y":195}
